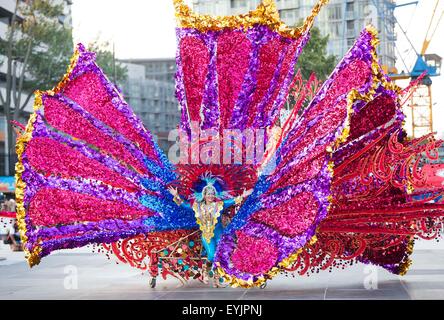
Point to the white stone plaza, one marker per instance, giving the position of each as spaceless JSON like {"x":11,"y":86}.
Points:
{"x":82,"y":274}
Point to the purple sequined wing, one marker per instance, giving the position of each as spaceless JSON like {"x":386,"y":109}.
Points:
{"x":85,"y":161}
{"x":282,"y":214}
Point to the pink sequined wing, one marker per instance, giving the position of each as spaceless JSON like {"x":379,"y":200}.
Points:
{"x":235,"y":78}
{"x":293,"y":193}
{"x":85,"y":161}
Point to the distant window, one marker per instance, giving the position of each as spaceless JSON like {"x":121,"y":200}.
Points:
{"x":286,"y":14}
{"x":350,"y":6}
{"x":238,"y":3}
{"x":350,"y":26}
{"x":350,"y":42}
{"x":335,"y":12}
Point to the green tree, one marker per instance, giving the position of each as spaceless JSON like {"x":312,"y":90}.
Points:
{"x":105,"y":59}
{"x":314,"y":57}
{"x":313,"y":60}
{"x":37,"y":50}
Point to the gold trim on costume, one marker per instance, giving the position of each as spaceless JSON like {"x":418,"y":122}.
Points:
{"x":236,"y":282}
{"x":405,"y":265}
{"x":265,"y":14}
{"x":238,"y":200}
{"x":207,"y":216}
{"x":178,"y":200}
{"x":33,"y":255}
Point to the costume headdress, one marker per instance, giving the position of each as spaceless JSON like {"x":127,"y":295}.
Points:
{"x":209,"y":181}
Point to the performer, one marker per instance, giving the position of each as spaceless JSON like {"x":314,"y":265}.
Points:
{"x":336,"y":185}
{"x":208,"y":213}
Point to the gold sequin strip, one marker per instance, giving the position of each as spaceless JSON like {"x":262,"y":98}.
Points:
{"x":265,"y":14}
{"x":207,"y":230}
{"x":235,"y":282}
{"x":33,"y":255}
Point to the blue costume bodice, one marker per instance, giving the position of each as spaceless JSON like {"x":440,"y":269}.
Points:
{"x":209,"y":219}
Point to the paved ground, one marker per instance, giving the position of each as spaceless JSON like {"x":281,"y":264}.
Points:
{"x":99,"y":278}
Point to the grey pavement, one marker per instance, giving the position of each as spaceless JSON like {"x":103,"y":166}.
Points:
{"x":82,"y":274}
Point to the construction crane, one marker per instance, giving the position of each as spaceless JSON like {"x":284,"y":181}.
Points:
{"x":421,"y":103}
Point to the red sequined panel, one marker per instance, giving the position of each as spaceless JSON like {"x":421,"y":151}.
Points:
{"x":89,"y":91}
{"x":283,"y":75}
{"x":268,"y":62}
{"x":50,"y":207}
{"x":50,"y":157}
{"x":291,"y":217}
{"x":59,"y":115}
{"x":353,"y":76}
{"x":384,"y":163}
{"x":333,"y":113}
{"x":306,"y":168}
{"x":247,"y":258}
{"x":343,"y":84}
{"x":373,"y":115}
{"x":195,"y":59}
{"x":233,"y":52}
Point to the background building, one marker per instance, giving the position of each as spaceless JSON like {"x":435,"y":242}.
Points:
{"x":156,"y":69}
{"x":150,"y":91}
{"x":342,"y":20}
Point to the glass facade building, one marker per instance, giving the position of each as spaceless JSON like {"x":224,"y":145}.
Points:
{"x":150,"y":91}
{"x":7,"y":8}
{"x":341,"y":20}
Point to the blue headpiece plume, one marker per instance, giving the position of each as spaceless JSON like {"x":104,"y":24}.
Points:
{"x":207,"y":181}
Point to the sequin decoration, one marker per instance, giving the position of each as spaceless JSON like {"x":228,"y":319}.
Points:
{"x":85,"y":159}
{"x":265,"y":14}
{"x":339,"y":184}
{"x":232,"y":62}
{"x":263,"y":257}
{"x":195,"y":58}
{"x":292,"y":217}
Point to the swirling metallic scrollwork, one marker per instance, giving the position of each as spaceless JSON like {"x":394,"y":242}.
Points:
{"x":147,"y":253}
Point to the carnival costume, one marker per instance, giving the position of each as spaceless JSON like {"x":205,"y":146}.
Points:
{"x":209,"y":216}
{"x":335,"y":185}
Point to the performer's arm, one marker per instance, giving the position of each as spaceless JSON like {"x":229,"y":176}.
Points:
{"x":237,"y":200}
{"x":182,"y":203}
{"x":177,"y":199}
{"x":231,"y":202}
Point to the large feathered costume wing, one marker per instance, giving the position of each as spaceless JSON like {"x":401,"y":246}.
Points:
{"x":334,"y":185}
{"x":234,"y":73}
{"x":88,"y":170}
{"x":337,"y":187}
{"x":233,"y":77}
{"x":293,"y":193}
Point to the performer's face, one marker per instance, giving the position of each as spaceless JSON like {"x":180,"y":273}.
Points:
{"x":209,"y":196}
